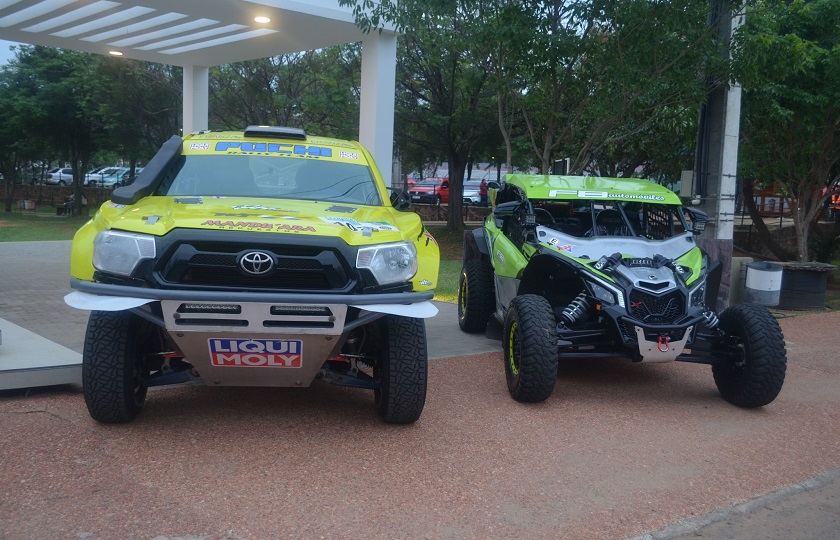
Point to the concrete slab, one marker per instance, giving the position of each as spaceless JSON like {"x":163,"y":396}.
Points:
{"x":28,"y":360}
{"x":446,"y":339}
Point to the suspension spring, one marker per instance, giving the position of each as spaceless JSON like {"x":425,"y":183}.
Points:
{"x":712,"y":320}
{"x":577,"y":309}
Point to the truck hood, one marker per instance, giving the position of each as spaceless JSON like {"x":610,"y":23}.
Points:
{"x":356,"y":224}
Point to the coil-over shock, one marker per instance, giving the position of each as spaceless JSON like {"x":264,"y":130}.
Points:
{"x":576,"y":309}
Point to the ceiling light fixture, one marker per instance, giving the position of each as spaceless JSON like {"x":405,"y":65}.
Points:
{"x":262,"y":20}
{"x":115,"y":53}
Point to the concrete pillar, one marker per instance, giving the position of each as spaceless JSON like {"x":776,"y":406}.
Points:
{"x":376,"y":121}
{"x":716,"y":162}
{"x":196,"y":98}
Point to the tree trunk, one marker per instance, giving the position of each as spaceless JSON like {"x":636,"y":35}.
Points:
{"x":9,"y":192}
{"x":505,"y":132}
{"x":761,"y":228}
{"x":457,"y":163}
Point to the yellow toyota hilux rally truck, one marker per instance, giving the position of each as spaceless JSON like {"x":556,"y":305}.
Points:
{"x":257,"y":258}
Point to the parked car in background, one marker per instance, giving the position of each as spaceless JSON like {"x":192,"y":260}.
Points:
{"x":126,"y":179}
{"x":59,"y":176}
{"x":107,"y":177}
{"x":430,"y":191}
{"x":471,"y":191}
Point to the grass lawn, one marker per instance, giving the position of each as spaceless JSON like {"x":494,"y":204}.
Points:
{"x":451,"y":251}
{"x":36,"y":226}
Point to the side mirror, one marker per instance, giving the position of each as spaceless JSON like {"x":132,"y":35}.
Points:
{"x":697,"y":219}
{"x":518,"y":208}
{"x":400,"y":200}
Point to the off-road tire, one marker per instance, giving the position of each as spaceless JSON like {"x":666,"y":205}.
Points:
{"x":402,"y":372}
{"x":530,"y":345}
{"x":476,"y":299}
{"x":759,"y":380}
{"x":112,"y":362}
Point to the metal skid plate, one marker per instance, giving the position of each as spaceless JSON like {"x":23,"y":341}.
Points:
{"x":652,"y":351}
{"x":251,"y":344}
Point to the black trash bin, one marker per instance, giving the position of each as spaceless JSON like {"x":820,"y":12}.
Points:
{"x":803,"y":285}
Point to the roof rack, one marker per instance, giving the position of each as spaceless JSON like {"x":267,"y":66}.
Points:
{"x":275,"y":132}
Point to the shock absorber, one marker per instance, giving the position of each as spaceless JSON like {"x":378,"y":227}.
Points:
{"x":712,"y":320}
{"x":576,"y":309}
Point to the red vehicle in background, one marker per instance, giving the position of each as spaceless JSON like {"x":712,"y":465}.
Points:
{"x":430,"y":191}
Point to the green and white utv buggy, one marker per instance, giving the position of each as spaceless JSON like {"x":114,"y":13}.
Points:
{"x":586,"y":267}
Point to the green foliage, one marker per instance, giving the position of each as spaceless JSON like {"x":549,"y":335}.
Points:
{"x":787,"y":57}
{"x":614,"y":84}
{"x":314,"y":90}
{"x":444,"y":107}
{"x":69,"y":106}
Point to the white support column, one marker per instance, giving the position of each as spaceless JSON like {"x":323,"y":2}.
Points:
{"x":376,"y":121}
{"x":196,"y":98}
{"x":728,"y":187}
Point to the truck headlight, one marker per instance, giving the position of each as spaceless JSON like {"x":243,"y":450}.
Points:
{"x":120,"y":252}
{"x":389,"y":263}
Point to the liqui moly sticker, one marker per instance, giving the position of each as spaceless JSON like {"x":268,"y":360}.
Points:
{"x":200,"y":146}
{"x":277,"y":353}
{"x":348,"y":155}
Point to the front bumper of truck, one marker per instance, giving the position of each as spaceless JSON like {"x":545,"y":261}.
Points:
{"x":252,"y":338}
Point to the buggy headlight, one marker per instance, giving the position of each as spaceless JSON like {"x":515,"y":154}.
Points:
{"x":605,"y":293}
{"x":602,"y":293}
{"x":120,"y":252}
{"x":389,"y":263}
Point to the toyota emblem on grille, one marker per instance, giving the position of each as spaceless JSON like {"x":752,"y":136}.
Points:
{"x":256,"y":263}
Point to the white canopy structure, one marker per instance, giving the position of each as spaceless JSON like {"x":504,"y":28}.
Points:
{"x":199,"y":34}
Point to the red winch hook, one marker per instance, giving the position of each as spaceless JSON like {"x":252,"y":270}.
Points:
{"x":663,"y":339}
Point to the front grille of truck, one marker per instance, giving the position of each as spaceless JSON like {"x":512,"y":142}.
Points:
{"x":212,"y":264}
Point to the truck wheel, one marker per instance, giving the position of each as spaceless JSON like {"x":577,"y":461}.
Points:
{"x":475,"y":296}
{"x":757,"y":379}
{"x":113,"y":361}
{"x":402,"y":371}
{"x":530,"y":345}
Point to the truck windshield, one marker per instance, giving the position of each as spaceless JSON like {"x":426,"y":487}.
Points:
{"x":271,"y":177}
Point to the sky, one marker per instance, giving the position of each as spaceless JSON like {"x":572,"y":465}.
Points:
{"x":5,"y":53}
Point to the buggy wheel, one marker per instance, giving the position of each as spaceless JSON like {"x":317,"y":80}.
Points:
{"x":113,"y":363}
{"x":757,"y":378}
{"x":530,"y":345}
{"x":402,"y":371}
{"x":475,"y":296}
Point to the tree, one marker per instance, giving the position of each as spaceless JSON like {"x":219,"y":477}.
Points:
{"x":140,"y":103}
{"x":58,"y":93}
{"x":313,"y":90}
{"x":17,"y":146}
{"x":443,"y":102}
{"x":787,"y":57}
